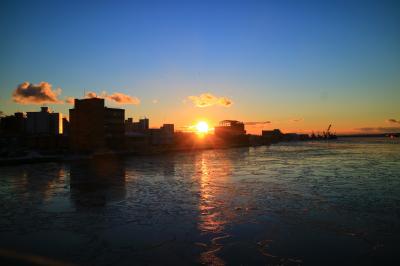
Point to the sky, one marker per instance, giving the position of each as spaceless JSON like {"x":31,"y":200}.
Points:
{"x":294,"y":65}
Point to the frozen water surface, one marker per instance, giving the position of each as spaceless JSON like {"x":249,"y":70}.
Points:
{"x":321,"y":203}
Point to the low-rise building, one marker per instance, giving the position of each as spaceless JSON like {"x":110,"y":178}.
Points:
{"x":44,"y":123}
{"x":229,"y":128}
{"x":163,"y":135}
{"x":276,"y":135}
{"x":272,"y":135}
{"x":142,"y":126}
{"x":13,"y":125}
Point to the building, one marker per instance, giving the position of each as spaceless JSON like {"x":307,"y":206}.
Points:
{"x":272,"y":135}
{"x":129,"y":126}
{"x":142,"y":126}
{"x":163,"y":135}
{"x":95,"y":127}
{"x":44,"y":123}
{"x":167,"y":133}
{"x":229,"y":128}
{"x":13,"y":125}
{"x":65,"y":126}
{"x":168,"y":129}
{"x":295,"y":137}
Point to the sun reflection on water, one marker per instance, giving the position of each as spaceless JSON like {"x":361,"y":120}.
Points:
{"x":212,"y":220}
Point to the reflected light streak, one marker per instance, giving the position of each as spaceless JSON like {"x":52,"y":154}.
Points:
{"x":211,"y":206}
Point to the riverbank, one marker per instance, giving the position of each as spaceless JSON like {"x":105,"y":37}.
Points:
{"x":36,"y":157}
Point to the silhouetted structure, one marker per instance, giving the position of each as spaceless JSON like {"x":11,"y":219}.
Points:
{"x":13,"y":125}
{"x":39,"y":131}
{"x":129,"y":126}
{"x":328,"y":134}
{"x":44,"y":123}
{"x":295,"y":137}
{"x":65,"y":126}
{"x":228,"y":128}
{"x":276,"y":135}
{"x":163,"y":135}
{"x":142,"y":126}
{"x":272,"y":136}
{"x":95,"y":127}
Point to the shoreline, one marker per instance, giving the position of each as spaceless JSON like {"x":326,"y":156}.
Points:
{"x":148,"y":151}
{"x":108,"y":154}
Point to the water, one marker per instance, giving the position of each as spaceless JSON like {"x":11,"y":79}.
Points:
{"x":322,"y":203}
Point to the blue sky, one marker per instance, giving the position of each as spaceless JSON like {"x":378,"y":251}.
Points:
{"x":317,"y":61}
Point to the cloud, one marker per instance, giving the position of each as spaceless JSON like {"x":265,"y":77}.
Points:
{"x":155,"y":101}
{"x":225,"y":101}
{"x":393,"y":121}
{"x":70,"y":100}
{"x":29,"y":93}
{"x":379,"y":129}
{"x":123,"y":98}
{"x":208,"y":99}
{"x":257,"y":123}
{"x":117,"y":97}
{"x":92,"y":94}
{"x":297,"y":120}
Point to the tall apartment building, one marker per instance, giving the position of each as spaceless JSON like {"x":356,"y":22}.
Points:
{"x":94,"y":126}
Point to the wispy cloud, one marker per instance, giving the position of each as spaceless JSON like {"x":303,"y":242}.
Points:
{"x":117,"y":97}
{"x":29,"y":93}
{"x":121,"y":98}
{"x":257,"y":123}
{"x":208,"y":99}
{"x":393,"y":121}
{"x":297,"y":120}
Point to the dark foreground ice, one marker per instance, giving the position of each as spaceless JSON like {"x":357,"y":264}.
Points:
{"x":323,"y":203}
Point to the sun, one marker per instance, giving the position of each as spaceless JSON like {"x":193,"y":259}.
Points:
{"x":202,"y":127}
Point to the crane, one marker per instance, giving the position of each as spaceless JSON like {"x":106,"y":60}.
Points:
{"x":329,"y":128}
{"x":328,"y":134}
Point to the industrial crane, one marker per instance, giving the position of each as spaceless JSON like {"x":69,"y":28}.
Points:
{"x":329,"y":128}
{"x":328,"y":135}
